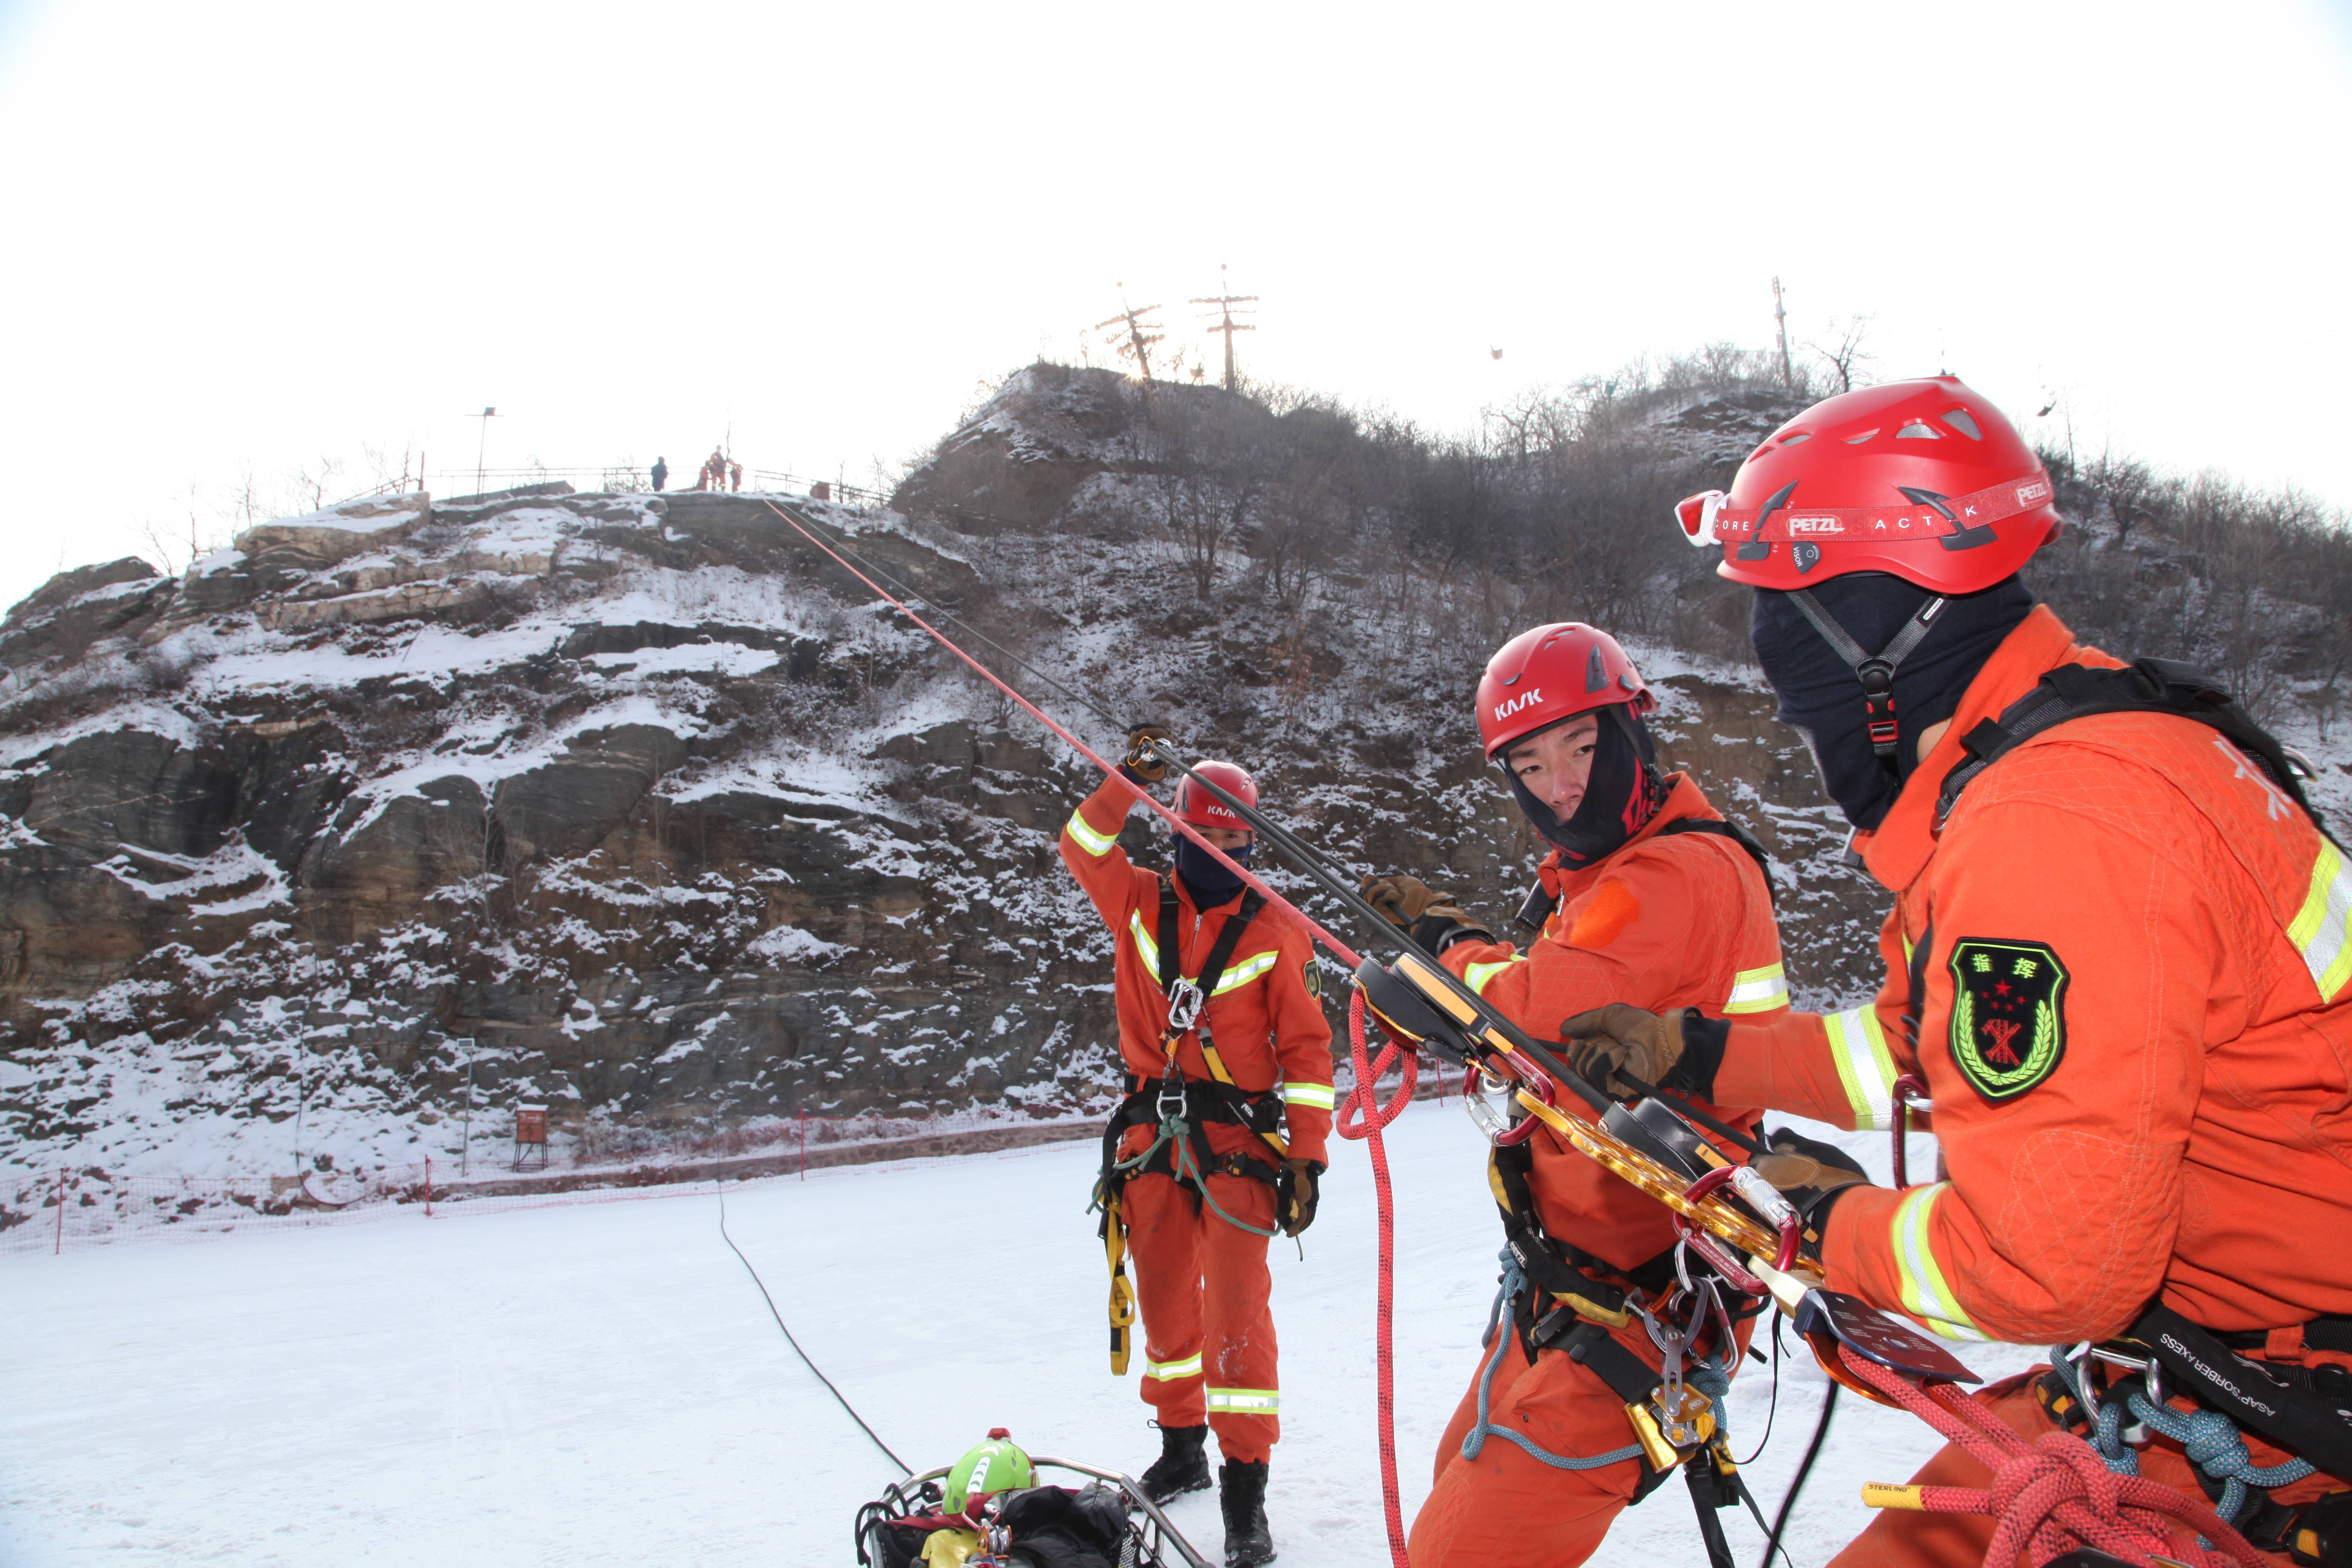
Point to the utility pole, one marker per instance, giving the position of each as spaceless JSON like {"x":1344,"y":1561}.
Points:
{"x":1225,"y":301}
{"x":1139,"y":334}
{"x":1780,"y":318}
{"x":482,"y":446}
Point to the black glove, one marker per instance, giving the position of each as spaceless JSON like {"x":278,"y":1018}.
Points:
{"x":1295,"y":1193}
{"x":1810,"y":1175}
{"x":1143,"y":764}
{"x":1432,"y":918}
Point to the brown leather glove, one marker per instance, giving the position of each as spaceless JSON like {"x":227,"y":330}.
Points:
{"x":1295,"y":1195}
{"x":1401,"y":897}
{"x":1142,"y":763}
{"x":1432,"y":918}
{"x":1644,"y":1045}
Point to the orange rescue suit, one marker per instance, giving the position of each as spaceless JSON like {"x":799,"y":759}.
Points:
{"x":2127,"y":956}
{"x":1675,"y":920}
{"x":1201,"y":1283}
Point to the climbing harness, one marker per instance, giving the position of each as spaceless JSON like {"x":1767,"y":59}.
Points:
{"x":2149,"y":686}
{"x":1729,"y":1216}
{"x":1179,"y":1108}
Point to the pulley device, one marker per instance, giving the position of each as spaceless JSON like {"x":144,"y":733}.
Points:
{"x":1729,"y":1215}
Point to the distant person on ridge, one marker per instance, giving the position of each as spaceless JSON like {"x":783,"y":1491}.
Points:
{"x":735,"y":476}
{"x":661,"y":475}
{"x":1219,"y":1145}
{"x":714,"y":471}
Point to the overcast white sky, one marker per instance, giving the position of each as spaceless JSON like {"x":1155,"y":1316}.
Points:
{"x":242,"y":238}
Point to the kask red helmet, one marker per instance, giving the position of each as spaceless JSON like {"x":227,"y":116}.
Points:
{"x":1924,"y":480}
{"x":1554,"y":672}
{"x":1201,"y":809}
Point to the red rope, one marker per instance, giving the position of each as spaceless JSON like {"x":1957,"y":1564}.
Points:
{"x":1362,"y":1115}
{"x":2054,"y":1494}
{"x":1339,"y":950}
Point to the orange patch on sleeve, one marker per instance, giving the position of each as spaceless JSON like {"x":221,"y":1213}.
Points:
{"x":1613,"y":907}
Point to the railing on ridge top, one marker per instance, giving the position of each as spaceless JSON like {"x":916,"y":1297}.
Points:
{"x":454,"y":482}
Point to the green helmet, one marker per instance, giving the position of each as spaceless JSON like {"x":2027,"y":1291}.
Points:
{"x":996,"y":1466}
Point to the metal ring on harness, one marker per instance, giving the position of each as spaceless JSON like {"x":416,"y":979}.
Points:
{"x":1184,"y":1002}
{"x":1478,"y":1083}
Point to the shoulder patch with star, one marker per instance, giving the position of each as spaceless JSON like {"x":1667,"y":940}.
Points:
{"x":1315,"y":979}
{"x":2008,"y":1015}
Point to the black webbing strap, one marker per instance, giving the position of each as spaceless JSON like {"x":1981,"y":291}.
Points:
{"x":1875,"y":670}
{"x":2148,"y":686}
{"x":1725,"y":827}
{"x":1221,"y":952}
{"x":1540,"y":902}
{"x":2282,"y":1403}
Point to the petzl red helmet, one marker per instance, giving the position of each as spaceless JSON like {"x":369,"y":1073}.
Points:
{"x":1554,"y":672}
{"x":1924,"y":480}
{"x":1201,"y":809}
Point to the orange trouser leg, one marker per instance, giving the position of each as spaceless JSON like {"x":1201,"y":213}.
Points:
{"x":1960,"y":1539}
{"x":1507,"y":1508}
{"x":1202,"y":1287}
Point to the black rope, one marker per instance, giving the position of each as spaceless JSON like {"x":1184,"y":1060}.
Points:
{"x":795,"y":1343}
{"x":1771,"y":1411}
{"x":1804,"y":1468}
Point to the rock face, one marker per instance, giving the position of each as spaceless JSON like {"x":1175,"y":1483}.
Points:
{"x":641,"y":808}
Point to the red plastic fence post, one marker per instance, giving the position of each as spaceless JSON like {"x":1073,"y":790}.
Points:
{"x":801,"y":1116}
{"x":61,"y":1213}
{"x":428,"y":1186}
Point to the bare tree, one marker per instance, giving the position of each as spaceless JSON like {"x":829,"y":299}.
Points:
{"x":1843,"y":353}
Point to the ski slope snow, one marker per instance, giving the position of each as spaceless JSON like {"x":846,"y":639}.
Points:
{"x":601,"y":1383}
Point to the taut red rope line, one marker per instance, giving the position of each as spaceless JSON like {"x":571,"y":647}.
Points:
{"x":1339,"y":949}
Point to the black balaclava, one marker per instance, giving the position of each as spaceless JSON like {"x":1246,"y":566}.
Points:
{"x":1821,"y":694}
{"x":1209,"y":882}
{"x":1624,"y":791}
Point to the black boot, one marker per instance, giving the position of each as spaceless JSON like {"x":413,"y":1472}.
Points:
{"x":1241,"y":1493}
{"x":1182,"y":1466}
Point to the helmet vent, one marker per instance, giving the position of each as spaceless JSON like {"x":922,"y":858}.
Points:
{"x":1596,"y":675}
{"x":1963,"y":421}
{"x":1799,"y":435}
{"x":1917,"y":431}
{"x":1858,"y":440}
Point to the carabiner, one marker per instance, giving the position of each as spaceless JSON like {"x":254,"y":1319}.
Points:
{"x":1184,"y":999}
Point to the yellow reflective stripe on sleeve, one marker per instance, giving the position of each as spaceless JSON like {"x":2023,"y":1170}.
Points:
{"x":1245,"y":1401}
{"x":1239,"y":974}
{"x":2322,"y":930}
{"x":1143,"y":943}
{"x":1093,"y":843}
{"x":1477,"y":974}
{"x":1321,"y":1096}
{"x":1758,"y":990}
{"x":1859,"y":1048}
{"x":1168,"y":1370}
{"x":1926,"y":1296}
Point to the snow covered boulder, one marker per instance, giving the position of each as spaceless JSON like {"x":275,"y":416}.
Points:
{"x":320,"y":539}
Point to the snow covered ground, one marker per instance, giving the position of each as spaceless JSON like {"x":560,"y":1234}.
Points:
{"x":602,"y":1384}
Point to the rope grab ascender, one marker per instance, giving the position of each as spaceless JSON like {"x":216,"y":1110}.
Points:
{"x":1743,"y":1232}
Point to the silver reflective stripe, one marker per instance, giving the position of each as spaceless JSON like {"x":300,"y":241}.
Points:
{"x":1248,"y":969}
{"x":1927,"y":1295}
{"x":1318,"y":1094}
{"x":1758,"y":990}
{"x":1477,"y":974}
{"x":1859,"y":1048}
{"x":1245,"y":1401}
{"x":1093,"y":843}
{"x":1143,"y":943}
{"x":2322,"y":930}
{"x":1168,"y":1370}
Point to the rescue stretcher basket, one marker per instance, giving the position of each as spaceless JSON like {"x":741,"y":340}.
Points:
{"x":1151,"y":1540}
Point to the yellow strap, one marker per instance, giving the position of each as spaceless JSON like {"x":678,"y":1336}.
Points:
{"x":1122,"y":1295}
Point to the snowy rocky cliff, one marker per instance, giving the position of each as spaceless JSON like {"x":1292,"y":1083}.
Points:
{"x":637,"y":806}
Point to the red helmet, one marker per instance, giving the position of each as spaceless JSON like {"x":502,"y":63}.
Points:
{"x":1201,"y":809}
{"x":1541,"y":676}
{"x":1924,"y":480}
